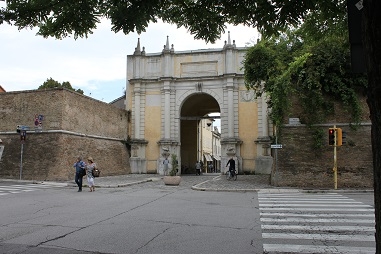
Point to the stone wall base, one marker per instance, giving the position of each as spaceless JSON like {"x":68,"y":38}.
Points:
{"x":138,"y":165}
{"x":263,"y":165}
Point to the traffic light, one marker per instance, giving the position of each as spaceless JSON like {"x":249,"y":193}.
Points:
{"x":331,"y":136}
{"x":344,"y":138}
{"x":336,"y":137}
{"x":23,"y":135}
{"x":339,"y":137}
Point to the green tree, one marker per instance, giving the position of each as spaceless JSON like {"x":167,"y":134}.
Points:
{"x":51,"y":83}
{"x":317,"y":72}
{"x":206,"y":19}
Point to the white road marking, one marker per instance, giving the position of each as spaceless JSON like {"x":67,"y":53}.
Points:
{"x":319,"y":221}
{"x":317,"y":249}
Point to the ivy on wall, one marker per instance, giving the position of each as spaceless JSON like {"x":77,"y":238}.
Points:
{"x":313,"y":70}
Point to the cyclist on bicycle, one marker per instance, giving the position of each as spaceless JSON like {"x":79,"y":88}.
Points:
{"x":231,"y":164}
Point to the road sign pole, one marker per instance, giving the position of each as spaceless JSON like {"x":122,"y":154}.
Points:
{"x":335,"y":161}
{"x":335,"y":167}
{"x":276,"y":157}
{"x":22,"y":150}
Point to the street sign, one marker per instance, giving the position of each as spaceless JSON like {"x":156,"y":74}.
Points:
{"x":276,"y":146}
{"x":38,"y":122}
{"x":23,"y":128}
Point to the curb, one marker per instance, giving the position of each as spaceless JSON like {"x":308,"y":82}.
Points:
{"x":17,"y":180}
{"x":334,"y":191}
{"x":264,"y":190}
{"x":117,"y":185}
{"x":123,"y":184}
{"x":53,"y":183}
{"x":226,"y":190}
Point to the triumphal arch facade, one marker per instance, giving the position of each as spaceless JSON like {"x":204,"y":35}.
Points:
{"x":169,"y":92}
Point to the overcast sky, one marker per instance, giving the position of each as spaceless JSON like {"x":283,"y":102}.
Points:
{"x":97,"y":65}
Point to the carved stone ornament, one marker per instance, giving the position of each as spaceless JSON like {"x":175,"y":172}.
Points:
{"x":247,"y":95}
{"x":165,"y":152}
{"x":135,"y":151}
{"x":199,"y":86}
{"x":230,"y":151}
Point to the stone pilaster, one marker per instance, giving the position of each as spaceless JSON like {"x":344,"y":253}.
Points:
{"x":138,"y":162}
{"x":263,"y":160}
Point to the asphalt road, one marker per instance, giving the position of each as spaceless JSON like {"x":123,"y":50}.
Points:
{"x":129,"y":220}
{"x":149,"y":218}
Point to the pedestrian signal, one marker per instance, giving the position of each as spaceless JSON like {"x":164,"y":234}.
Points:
{"x":344,"y":138}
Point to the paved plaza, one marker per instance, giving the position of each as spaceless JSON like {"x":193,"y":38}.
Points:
{"x":205,"y":182}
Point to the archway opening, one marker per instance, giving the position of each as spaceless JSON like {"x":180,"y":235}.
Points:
{"x":200,"y":134}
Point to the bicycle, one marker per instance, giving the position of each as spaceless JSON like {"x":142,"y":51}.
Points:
{"x":229,"y":176}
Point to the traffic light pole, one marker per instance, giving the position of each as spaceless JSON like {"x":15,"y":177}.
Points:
{"x":22,"y":151}
{"x":335,"y":161}
{"x":22,"y":129}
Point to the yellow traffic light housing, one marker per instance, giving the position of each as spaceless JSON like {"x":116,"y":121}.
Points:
{"x":339,"y":137}
{"x":336,"y":137}
{"x":331,"y":136}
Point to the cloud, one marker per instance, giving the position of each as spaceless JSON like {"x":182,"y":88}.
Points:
{"x":93,"y":64}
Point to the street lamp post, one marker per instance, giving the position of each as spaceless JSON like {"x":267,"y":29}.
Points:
{"x":212,"y":132}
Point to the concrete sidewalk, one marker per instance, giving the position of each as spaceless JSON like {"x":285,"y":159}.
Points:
{"x":205,"y":182}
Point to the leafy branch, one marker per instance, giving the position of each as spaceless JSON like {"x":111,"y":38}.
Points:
{"x":314,"y":73}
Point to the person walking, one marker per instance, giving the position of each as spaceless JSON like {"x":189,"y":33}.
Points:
{"x":90,"y":166}
{"x":198,"y":168}
{"x":79,"y":166}
{"x":166,"y":163}
{"x":211,"y":168}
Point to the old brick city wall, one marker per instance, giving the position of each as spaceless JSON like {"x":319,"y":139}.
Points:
{"x":299,"y":164}
{"x":74,"y":125}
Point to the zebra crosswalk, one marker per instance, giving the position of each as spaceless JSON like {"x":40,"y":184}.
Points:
{"x":14,"y":189}
{"x":315,"y":223}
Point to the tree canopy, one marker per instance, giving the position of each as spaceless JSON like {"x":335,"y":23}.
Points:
{"x":205,"y":19}
{"x":51,"y":83}
{"x":311,"y":63}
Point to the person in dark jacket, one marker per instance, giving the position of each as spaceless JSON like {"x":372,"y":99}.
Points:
{"x":231,"y":164}
{"x":79,"y":169}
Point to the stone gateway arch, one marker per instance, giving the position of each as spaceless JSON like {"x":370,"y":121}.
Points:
{"x":169,"y":92}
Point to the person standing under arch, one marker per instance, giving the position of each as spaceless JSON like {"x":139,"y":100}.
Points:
{"x":231,"y":163}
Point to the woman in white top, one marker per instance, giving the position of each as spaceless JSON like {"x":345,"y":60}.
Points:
{"x":89,"y":170}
